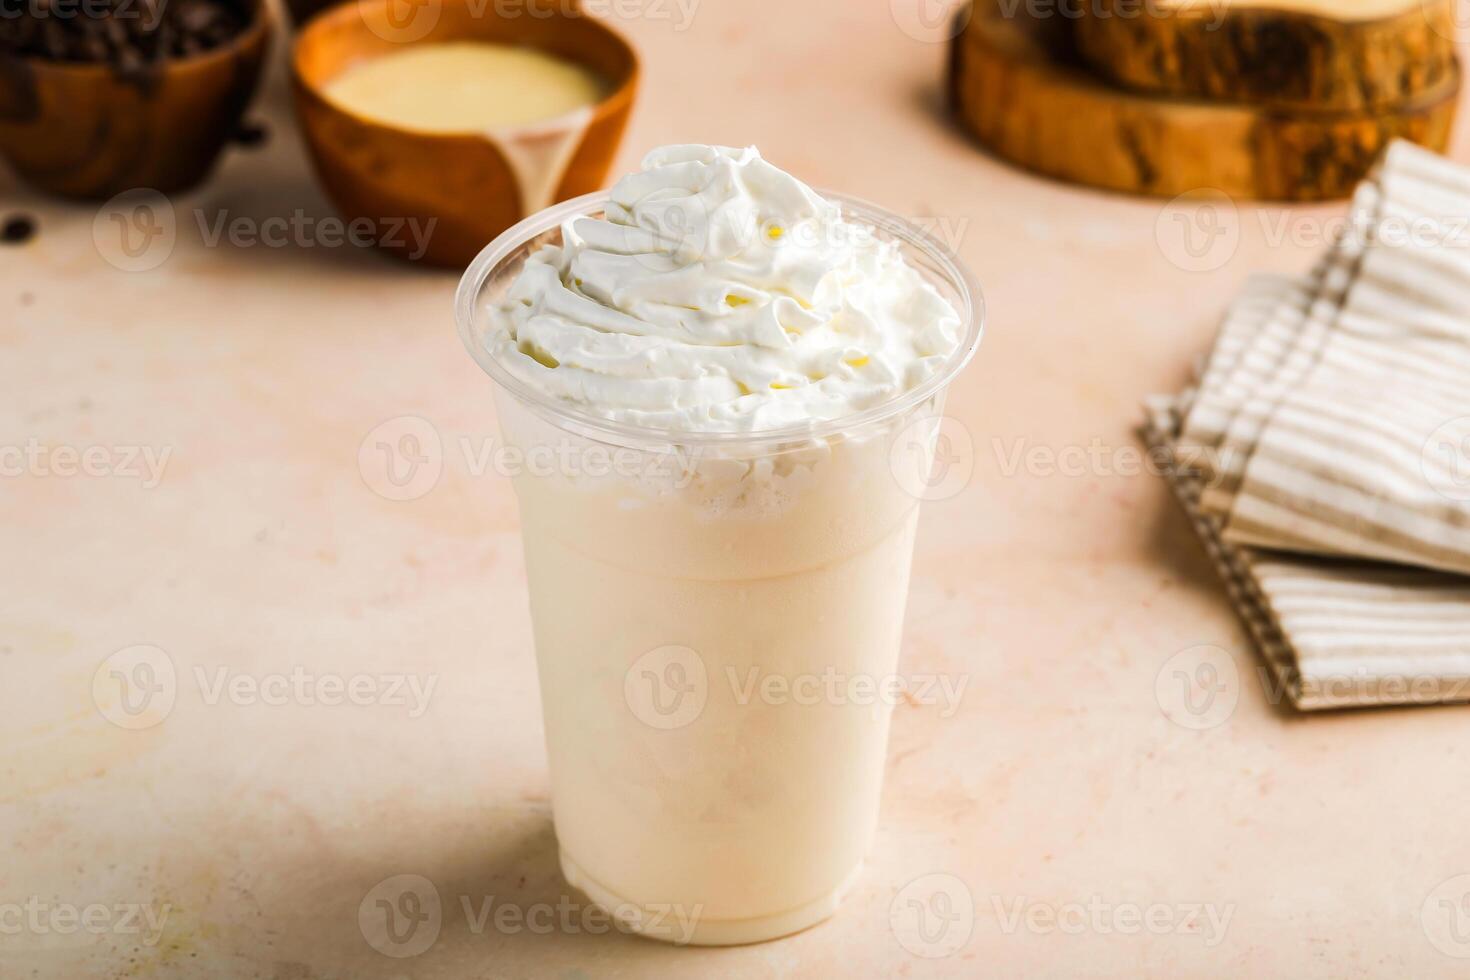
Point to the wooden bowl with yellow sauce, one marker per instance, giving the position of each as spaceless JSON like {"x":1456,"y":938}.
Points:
{"x":458,"y":118}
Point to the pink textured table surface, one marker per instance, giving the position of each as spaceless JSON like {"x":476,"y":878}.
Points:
{"x":1084,"y":817}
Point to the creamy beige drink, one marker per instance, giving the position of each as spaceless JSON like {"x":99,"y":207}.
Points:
{"x":464,"y":87}
{"x":718,"y":375}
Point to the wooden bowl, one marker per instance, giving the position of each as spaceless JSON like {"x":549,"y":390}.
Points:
{"x":84,"y":131}
{"x":464,"y":183}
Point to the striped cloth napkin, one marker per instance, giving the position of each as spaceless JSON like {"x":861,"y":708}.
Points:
{"x":1329,"y":435}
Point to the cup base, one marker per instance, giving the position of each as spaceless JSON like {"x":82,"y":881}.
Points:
{"x":687,"y":928}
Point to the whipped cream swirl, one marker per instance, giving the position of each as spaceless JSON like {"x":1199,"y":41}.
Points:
{"x":720,"y":293}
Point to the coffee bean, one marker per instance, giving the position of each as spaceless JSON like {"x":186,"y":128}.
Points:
{"x":18,"y":228}
{"x":251,"y":134}
{"x":128,"y":34}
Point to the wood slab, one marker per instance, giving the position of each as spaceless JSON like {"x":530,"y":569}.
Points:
{"x":1017,"y":83}
{"x":1321,"y":54}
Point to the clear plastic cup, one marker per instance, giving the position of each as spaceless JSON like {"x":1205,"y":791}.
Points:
{"x":717,"y":619}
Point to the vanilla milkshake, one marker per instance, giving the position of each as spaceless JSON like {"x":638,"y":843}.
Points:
{"x":718,"y":381}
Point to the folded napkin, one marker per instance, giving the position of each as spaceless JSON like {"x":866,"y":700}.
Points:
{"x":1329,"y":435}
{"x":1336,"y":419}
{"x":1334,"y":633}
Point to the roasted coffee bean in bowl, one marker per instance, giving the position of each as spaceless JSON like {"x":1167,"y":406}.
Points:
{"x":98,"y":97}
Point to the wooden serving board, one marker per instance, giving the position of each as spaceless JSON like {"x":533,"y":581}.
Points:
{"x":1017,"y":84}
{"x":1320,"y":54}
